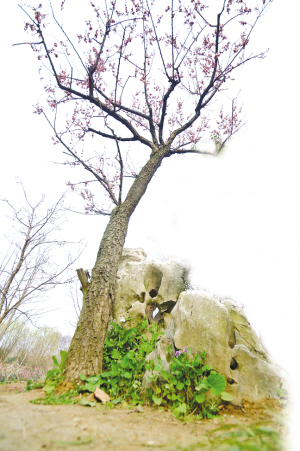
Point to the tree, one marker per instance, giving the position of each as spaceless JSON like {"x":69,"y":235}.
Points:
{"x":28,"y":269}
{"x":142,"y":75}
{"x":32,"y":347}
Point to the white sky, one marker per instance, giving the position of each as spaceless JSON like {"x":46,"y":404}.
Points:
{"x":235,"y":219}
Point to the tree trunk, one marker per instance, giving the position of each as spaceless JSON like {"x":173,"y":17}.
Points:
{"x":86,"y":351}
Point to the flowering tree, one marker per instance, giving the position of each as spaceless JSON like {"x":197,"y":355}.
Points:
{"x":140,"y":79}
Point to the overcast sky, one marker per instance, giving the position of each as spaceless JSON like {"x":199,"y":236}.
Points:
{"x":235,"y":219}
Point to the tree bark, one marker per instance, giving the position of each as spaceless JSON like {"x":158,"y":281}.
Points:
{"x":86,"y":350}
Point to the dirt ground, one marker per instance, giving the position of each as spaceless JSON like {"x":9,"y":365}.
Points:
{"x":29,"y":427}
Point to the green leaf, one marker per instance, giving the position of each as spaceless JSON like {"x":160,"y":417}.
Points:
{"x":197,"y":360}
{"x":52,"y":374}
{"x":165,"y":375}
{"x":182,"y":407}
{"x":116,"y":354}
{"x":206,"y":368}
{"x":49,"y":389}
{"x":82,"y":377}
{"x":117,"y":401}
{"x":114,"y":367}
{"x":125,"y":361}
{"x":85,"y":402}
{"x":168,"y":357}
{"x":93,"y":379}
{"x":180,"y":386}
{"x":226,"y":396}
{"x":200,"y":398}
{"x":55,"y":361}
{"x":216,"y":382}
{"x":156,"y":400}
{"x":181,"y":397}
{"x":91,"y":387}
{"x":157,"y":367}
{"x":63,"y":358}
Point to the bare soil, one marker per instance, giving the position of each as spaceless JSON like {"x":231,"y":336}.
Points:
{"x":28,"y":427}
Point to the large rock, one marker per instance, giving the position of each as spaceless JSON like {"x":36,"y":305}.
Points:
{"x":144,"y":287}
{"x":196,"y":319}
{"x":201,"y":322}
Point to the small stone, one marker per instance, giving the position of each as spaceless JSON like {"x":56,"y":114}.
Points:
{"x":100,"y":395}
{"x":90,"y":397}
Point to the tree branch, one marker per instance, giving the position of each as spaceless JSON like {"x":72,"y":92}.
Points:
{"x":106,"y":135}
{"x":103,"y":181}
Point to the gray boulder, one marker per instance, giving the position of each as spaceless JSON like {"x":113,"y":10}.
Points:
{"x":145,"y":287}
{"x":196,"y":319}
{"x":201,"y":322}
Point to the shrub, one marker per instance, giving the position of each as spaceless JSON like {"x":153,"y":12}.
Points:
{"x":14,"y":371}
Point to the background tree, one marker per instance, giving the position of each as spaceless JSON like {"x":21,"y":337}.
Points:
{"x":144,"y":76}
{"x":28,"y":269}
{"x":30,"y":346}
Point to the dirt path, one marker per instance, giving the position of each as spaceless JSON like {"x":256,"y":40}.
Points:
{"x":29,"y":427}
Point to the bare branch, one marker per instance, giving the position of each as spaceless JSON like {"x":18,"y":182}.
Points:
{"x":103,"y":181}
{"x":28,"y":272}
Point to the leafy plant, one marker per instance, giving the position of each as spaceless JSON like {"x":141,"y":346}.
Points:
{"x":53,"y":378}
{"x":69,"y":397}
{"x":31,"y":385}
{"x":188,"y":387}
{"x":124,"y":361}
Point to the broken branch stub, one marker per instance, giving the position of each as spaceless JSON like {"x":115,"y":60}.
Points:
{"x":83,"y":276}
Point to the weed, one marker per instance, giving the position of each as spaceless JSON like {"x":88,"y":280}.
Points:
{"x":124,"y":360}
{"x":188,"y":388}
{"x":237,"y":437}
{"x":69,"y":397}
{"x":53,"y":378}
